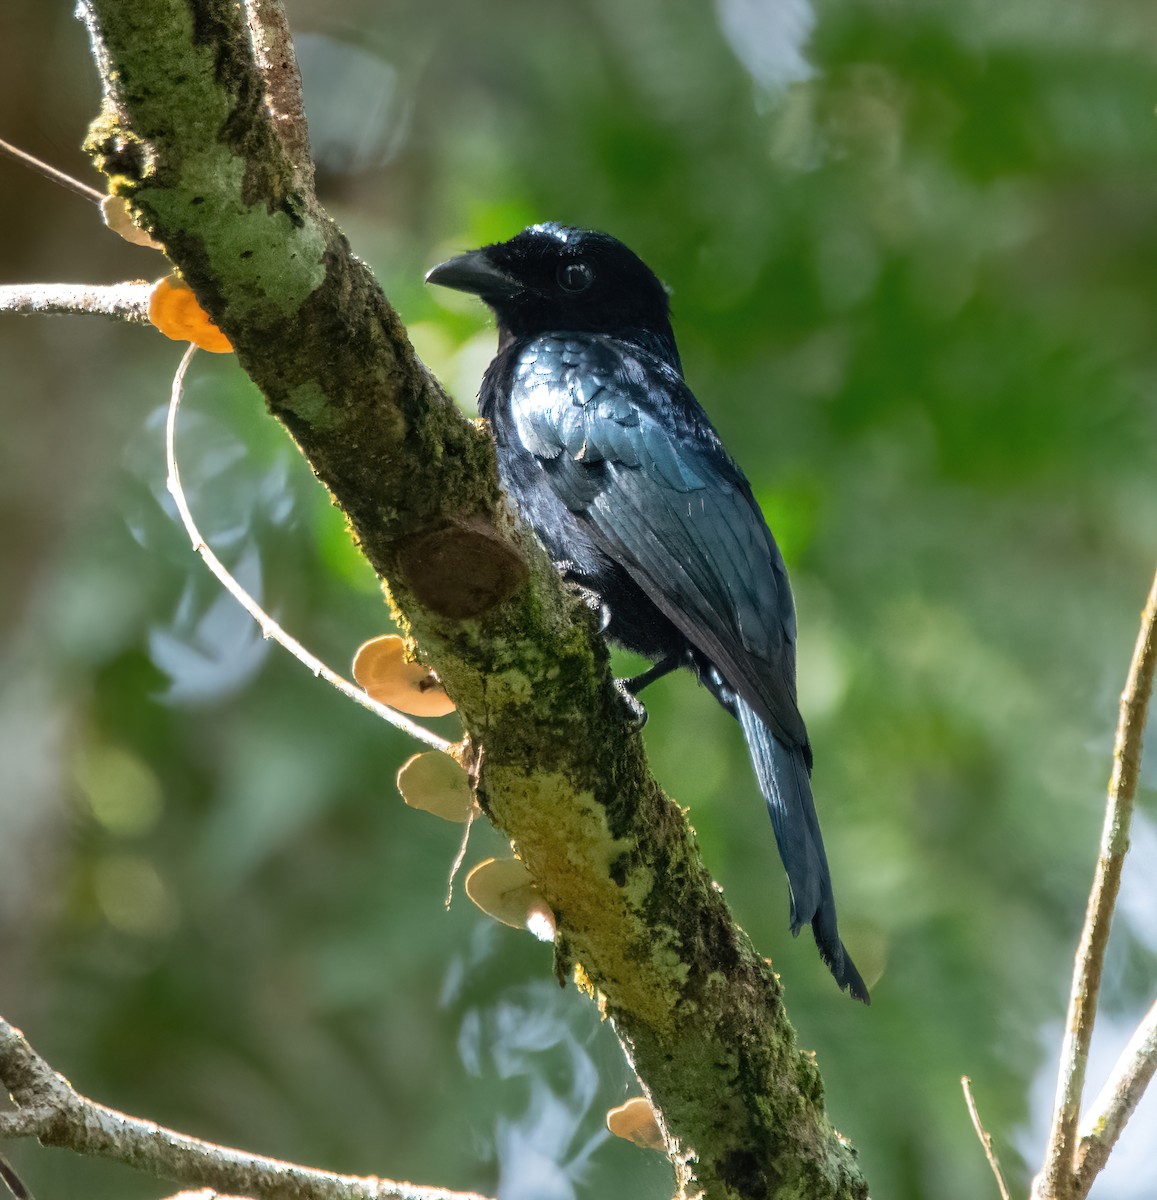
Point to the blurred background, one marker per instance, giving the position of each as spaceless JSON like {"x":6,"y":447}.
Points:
{"x":912,"y":253}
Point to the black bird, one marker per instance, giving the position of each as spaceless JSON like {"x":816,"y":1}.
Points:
{"x":610,"y":459}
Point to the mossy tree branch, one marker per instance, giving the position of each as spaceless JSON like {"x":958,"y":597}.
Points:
{"x":187,"y":137}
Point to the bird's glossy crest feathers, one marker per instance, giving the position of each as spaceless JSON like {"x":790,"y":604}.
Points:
{"x":552,"y":276}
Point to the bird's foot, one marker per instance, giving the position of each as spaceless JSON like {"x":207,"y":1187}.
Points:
{"x":629,"y":689}
{"x":587,"y":595}
{"x":633,"y":703}
{"x":596,"y":604}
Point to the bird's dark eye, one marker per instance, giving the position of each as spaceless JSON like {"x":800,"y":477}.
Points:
{"x":575,"y":277}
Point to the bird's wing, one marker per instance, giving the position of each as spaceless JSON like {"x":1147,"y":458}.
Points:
{"x":625,"y":445}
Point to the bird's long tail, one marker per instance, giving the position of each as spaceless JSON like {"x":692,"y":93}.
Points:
{"x":783,"y":778}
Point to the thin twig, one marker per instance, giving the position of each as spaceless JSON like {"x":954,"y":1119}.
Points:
{"x":1058,"y":1177}
{"x":124,"y":301}
{"x":1117,"y":1101}
{"x":269,"y":627}
{"x":57,"y":176}
{"x":985,"y":1138}
{"x":12,"y":1180}
{"x":460,"y":857}
{"x":73,"y":1122}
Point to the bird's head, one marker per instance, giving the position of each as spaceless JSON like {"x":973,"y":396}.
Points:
{"x":553,"y":279}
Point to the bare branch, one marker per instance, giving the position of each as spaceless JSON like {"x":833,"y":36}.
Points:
{"x":12,"y":1181}
{"x":65,"y":1118}
{"x":124,"y":301}
{"x":1117,"y":1101}
{"x":1058,"y":1178}
{"x":50,"y":172}
{"x":984,"y":1136}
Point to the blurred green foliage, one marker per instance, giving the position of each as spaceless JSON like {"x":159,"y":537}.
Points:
{"x":914,"y":289}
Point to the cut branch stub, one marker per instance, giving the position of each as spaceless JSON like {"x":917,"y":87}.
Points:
{"x":461,"y":570}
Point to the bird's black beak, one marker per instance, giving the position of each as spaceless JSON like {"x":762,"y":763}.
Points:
{"x":474,"y":273}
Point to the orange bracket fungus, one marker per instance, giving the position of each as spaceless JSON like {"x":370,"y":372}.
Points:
{"x":635,"y":1121}
{"x":117,"y":215}
{"x":435,"y":783}
{"x":503,"y":889}
{"x":381,"y":668}
{"x":174,"y":310}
